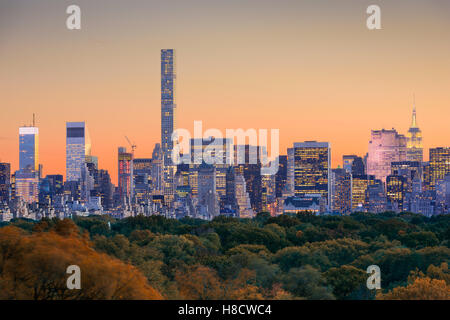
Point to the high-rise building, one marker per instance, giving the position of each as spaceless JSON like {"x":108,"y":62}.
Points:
{"x":168,"y":107}
{"x":385,"y":147}
{"x":78,"y":146}
{"x":439,"y":165}
{"x":142,"y":179}
{"x":207,"y":195}
{"x":341,"y":191}
{"x":409,"y":170}
{"x":29,"y":148}
{"x":347,"y":162}
{"x":281,"y":176}
{"x":5,"y":181}
{"x":312,"y":169}
{"x":376,"y":197}
{"x":396,"y":188}
{"x":125,"y":174}
{"x":360,"y":184}
{"x":27,"y":185}
{"x":353,"y":164}
{"x":414,"y":149}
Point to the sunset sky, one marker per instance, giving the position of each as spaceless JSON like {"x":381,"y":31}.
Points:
{"x":309,"y":68}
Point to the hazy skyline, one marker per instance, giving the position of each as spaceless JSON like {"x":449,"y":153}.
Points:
{"x":310,"y":68}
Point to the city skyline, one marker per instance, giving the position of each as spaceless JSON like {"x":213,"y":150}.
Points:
{"x":108,"y":74}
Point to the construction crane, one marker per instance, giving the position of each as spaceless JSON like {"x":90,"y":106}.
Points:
{"x":133,"y":146}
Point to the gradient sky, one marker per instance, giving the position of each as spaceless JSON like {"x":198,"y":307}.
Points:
{"x":310,"y":68}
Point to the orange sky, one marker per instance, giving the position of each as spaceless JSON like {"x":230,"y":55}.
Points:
{"x":308,"y":68}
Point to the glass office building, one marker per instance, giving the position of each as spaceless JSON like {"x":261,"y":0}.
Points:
{"x":78,"y":146}
{"x":28,"y":148}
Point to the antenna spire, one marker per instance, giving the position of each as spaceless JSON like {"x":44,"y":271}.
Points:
{"x":414,"y":121}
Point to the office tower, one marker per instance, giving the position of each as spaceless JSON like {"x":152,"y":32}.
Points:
{"x":248,"y":165}
{"x":5,"y":181}
{"x":312,"y":169}
{"x":78,"y":146}
{"x":50,"y":187}
{"x":242,"y":198}
{"x":396,"y":188}
{"x":268,"y":195}
{"x":376,"y":197}
{"x":281,"y":176}
{"x":426,"y":170}
{"x":125,"y":166}
{"x":409,"y":170}
{"x":103,"y":188}
{"x":289,"y":190}
{"x":353,"y":164}
{"x":27,"y":185}
{"x":385,"y":147}
{"x":157,"y":170}
{"x":414,"y":149}
{"x":29,"y":148}
{"x":341,"y":191}
{"x":443,"y":195}
{"x":439,"y":165}
{"x":207,"y":195}
{"x":347,"y":162}
{"x":142,"y":179}
{"x":359,"y":194}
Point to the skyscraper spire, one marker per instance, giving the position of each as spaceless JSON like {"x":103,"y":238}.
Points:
{"x":414,"y":121}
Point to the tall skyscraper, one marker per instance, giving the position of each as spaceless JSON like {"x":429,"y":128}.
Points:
{"x":312,"y":169}
{"x":385,"y":147}
{"x":341,"y":191}
{"x":125,"y":175}
{"x":414,"y":149}
{"x":5,"y":181}
{"x":168,"y":120}
{"x":439,"y":165}
{"x":78,"y":146}
{"x":167,"y":103}
{"x":29,"y":148}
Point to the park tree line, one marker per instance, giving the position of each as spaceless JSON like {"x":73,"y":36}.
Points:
{"x":300,"y":256}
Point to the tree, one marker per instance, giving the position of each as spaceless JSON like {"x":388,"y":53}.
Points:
{"x":345,"y":280}
{"x":33,"y":267}
{"x":420,"y":289}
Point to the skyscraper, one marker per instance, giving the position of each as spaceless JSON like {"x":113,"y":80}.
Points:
{"x":312,"y":169}
{"x":29,"y":148}
{"x":5,"y":181}
{"x":414,"y":149}
{"x":439,"y":165}
{"x":167,"y":119}
{"x":78,"y":146}
{"x":125,"y":175}
{"x":385,"y":147}
{"x":341,"y":194}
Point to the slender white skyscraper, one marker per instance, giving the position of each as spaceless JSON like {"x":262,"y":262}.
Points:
{"x":78,"y":146}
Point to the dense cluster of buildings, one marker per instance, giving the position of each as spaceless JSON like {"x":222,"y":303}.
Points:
{"x":392,"y":176}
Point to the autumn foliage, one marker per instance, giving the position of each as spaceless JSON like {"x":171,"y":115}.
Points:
{"x":33,"y":266}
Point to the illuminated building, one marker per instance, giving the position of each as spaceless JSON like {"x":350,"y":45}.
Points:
{"x":27,"y":185}
{"x":242,"y":198}
{"x":281,"y":176}
{"x":305,"y":203}
{"x":207,"y":195}
{"x":414,"y":151}
{"x":409,"y":170}
{"x":29,"y":148}
{"x":376,"y":197}
{"x":142,"y":179}
{"x":78,"y":146}
{"x":312,"y":169}
{"x":443,"y":195}
{"x":353,"y":164}
{"x":396,"y":188}
{"x":168,"y":107}
{"x":385,"y":147}
{"x":5,"y":181}
{"x":341,"y":191}
{"x":439,"y":165}
{"x":125,"y":166}
{"x":359,"y":188}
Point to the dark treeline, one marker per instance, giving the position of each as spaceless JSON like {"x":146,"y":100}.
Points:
{"x":299,"y":256}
